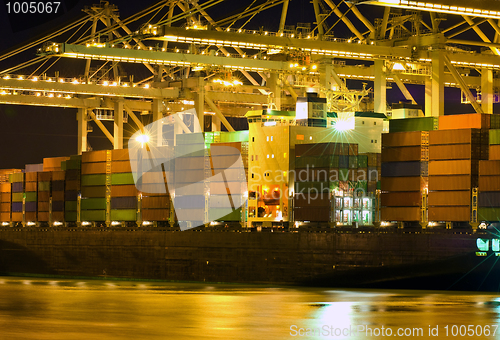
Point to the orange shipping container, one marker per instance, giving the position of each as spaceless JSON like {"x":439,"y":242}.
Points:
{"x":53,"y":163}
{"x":398,"y":139}
{"x":159,"y":202}
{"x":454,"y":152}
{"x":57,"y":195}
{"x":31,"y":186}
{"x":494,"y":152}
{"x":44,"y":176}
{"x":457,"y":182}
{"x":73,"y":185}
{"x":94,"y":191}
{"x":17,"y":217}
{"x":94,"y":156}
{"x":30,"y":216}
{"x":43,"y":216}
{"x":401,"y":214}
{"x":402,"y":154}
{"x":155,"y":214}
{"x":5,"y":216}
{"x":449,"y":214}
{"x":489,"y":183}
{"x":5,"y":207}
{"x":58,"y":216}
{"x":43,"y":196}
{"x":120,"y":155}
{"x":489,"y":168}
{"x":462,"y":136}
{"x":449,"y":198}
{"x":5,"y":187}
{"x":5,"y":197}
{"x":463,"y":167}
{"x":403,"y":183}
{"x":31,"y":176}
{"x":58,"y":175}
{"x":123,"y":191}
{"x":93,"y":168}
{"x":43,"y":206}
{"x":401,"y":199}
{"x":120,"y":167}
{"x":464,"y":121}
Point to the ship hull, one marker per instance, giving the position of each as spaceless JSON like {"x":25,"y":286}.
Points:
{"x":438,"y":259}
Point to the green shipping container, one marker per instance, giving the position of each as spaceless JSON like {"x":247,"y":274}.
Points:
{"x":488,"y":214}
{"x":236,"y":136}
{"x":93,"y":215}
{"x":122,"y":179}
{"x":124,"y":215}
{"x":494,"y":137}
{"x":353,"y":162}
{"x":71,"y":165}
{"x":93,"y":203}
{"x":91,"y":180}
{"x":75,"y":158}
{"x":363,"y":161}
{"x":214,"y":213}
{"x":31,"y":196}
{"x":43,"y":186}
{"x":334,"y":162}
{"x":17,"y":196}
{"x":70,"y":216}
{"x":413,"y":124}
{"x":16,"y":178}
{"x":70,"y":206}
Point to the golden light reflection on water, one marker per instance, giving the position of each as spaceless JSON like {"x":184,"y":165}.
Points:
{"x":81,"y":309}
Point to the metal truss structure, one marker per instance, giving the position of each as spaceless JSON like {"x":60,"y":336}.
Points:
{"x":182,"y":54}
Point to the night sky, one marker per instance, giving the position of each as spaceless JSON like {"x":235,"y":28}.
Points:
{"x":30,"y":133}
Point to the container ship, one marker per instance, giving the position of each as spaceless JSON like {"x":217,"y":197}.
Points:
{"x":361,"y":200}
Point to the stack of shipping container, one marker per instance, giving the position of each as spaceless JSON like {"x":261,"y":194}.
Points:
{"x":227,"y":178}
{"x":72,"y":187}
{"x":95,"y":168}
{"x":17,"y":182}
{"x":123,"y":192}
{"x":453,"y":170}
{"x":30,"y":194}
{"x":333,"y":182}
{"x":6,"y":194}
{"x":404,"y":175}
{"x":44,"y":181}
{"x":57,"y":195}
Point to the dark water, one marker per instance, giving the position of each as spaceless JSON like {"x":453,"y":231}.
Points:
{"x":85,"y":309}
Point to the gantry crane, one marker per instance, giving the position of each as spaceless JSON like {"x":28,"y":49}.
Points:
{"x":228,"y":66}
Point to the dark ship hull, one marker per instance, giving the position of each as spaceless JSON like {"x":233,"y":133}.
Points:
{"x":394,"y":258}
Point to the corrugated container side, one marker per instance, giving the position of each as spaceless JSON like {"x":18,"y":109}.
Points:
{"x":94,"y":156}
{"x":401,"y":199}
{"x":398,"y":184}
{"x":447,"y":182}
{"x":404,"y":214}
{"x":464,"y":121}
{"x":155,"y":214}
{"x":404,"y":169}
{"x":94,"y":191}
{"x":495,"y":137}
{"x":449,"y":198}
{"x":462,"y":167}
{"x":93,"y":215}
{"x":462,"y":136}
{"x":399,"y":139}
{"x":489,"y":199}
{"x":455,"y":152}
{"x":123,"y":190}
{"x":120,"y":167}
{"x":316,"y":214}
{"x":494,"y":152}
{"x":402,"y":154}
{"x":124,"y":215}
{"x":489,"y":183}
{"x":489,"y":168}
{"x":488,"y":214}
{"x":93,"y":168}
{"x":449,"y":214}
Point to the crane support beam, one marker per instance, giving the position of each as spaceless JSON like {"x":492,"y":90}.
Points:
{"x":101,"y":126}
{"x":82,"y":130}
{"x":219,"y":114}
{"x":462,"y":84}
{"x":403,"y":88}
{"x":88,"y":89}
{"x":132,"y":115}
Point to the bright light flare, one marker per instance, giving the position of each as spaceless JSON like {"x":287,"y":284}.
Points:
{"x":143,"y":139}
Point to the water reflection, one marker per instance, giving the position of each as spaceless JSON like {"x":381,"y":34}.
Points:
{"x":86,"y":309}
